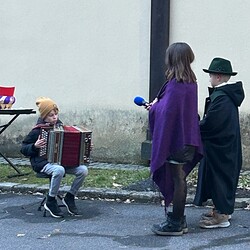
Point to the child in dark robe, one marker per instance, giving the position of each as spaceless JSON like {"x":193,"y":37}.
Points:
{"x":219,"y":170}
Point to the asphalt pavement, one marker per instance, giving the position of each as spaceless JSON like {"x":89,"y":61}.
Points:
{"x":109,"y":225}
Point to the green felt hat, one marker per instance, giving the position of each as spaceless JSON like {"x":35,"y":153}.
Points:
{"x":220,"y":66}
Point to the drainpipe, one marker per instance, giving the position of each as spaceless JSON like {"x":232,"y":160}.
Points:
{"x":159,"y":41}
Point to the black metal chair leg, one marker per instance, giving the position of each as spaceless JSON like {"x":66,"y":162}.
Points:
{"x":44,"y":212}
{"x":41,"y":204}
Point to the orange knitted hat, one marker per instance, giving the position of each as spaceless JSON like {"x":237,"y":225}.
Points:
{"x":45,"y":105}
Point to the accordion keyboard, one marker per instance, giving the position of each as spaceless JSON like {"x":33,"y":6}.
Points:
{"x":44,"y":135}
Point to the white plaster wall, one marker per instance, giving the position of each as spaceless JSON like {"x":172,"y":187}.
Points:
{"x":217,"y":28}
{"x":78,"y":52}
{"x":214,"y":28}
{"x":91,"y":57}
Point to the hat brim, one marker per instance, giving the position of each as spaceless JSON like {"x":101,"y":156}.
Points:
{"x":219,"y":72}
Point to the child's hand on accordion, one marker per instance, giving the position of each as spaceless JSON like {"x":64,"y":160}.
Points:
{"x":41,"y":142}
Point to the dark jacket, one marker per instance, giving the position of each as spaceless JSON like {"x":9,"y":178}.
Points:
{"x":220,"y":132}
{"x":29,"y":150}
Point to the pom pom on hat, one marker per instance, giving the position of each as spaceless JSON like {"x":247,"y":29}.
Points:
{"x":45,"y":105}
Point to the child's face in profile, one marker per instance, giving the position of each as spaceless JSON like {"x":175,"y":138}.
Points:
{"x":52,"y":117}
{"x":214,"y":79}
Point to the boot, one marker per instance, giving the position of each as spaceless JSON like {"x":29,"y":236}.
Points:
{"x":171,"y":227}
{"x":183,"y":223}
{"x":69,"y":202}
{"x":53,"y":208}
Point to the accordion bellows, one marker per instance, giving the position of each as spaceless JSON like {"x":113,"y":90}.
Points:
{"x":68,"y":146}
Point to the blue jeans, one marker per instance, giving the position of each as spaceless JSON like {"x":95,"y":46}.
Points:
{"x":58,"y":171}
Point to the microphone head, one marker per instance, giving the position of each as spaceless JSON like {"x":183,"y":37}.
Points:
{"x":138,"y":100}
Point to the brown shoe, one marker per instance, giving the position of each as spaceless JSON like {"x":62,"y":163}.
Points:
{"x":210,"y":214}
{"x":216,"y":221}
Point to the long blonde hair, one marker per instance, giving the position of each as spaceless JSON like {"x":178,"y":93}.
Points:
{"x":179,"y":57}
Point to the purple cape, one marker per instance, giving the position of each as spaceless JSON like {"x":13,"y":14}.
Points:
{"x":173,"y":123}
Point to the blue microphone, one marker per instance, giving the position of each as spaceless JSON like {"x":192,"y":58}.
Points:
{"x":140,"y":101}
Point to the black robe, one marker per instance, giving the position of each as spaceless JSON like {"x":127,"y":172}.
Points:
{"x":220,"y":167}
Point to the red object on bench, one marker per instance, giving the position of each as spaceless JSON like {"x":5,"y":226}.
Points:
{"x":7,"y":91}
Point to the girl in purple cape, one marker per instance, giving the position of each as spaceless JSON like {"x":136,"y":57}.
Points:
{"x":176,"y":142}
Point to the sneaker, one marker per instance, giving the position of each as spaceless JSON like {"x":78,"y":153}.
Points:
{"x":53,"y":208}
{"x":69,"y":202}
{"x":217,"y":221}
{"x":210,"y":214}
{"x":170,"y":227}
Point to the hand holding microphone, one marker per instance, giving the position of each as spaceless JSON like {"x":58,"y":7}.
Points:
{"x":138,"y":100}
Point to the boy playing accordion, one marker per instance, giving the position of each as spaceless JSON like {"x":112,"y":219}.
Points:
{"x":30,"y":148}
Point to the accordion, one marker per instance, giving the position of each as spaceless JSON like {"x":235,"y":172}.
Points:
{"x":68,"y":146}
